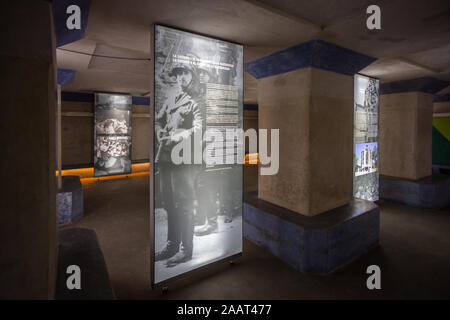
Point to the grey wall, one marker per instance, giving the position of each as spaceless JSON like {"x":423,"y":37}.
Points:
{"x":78,"y":137}
{"x":27,"y":139}
{"x":77,"y":126}
{"x":441,"y":107}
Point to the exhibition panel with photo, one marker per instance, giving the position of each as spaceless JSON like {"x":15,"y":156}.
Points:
{"x":112,"y":134}
{"x":198,"y":99}
{"x":365,"y":137}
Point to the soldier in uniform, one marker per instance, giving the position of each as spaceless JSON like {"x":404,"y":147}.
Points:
{"x":207,"y":190}
{"x":179,"y":118}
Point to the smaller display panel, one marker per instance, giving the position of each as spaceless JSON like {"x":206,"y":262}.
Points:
{"x":365,"y":137}
{"x":366,"y":158}
{"x":113,"y":122}
{"x":112,"y":136}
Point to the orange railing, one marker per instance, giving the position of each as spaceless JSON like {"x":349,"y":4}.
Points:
{"x":137,"y":169}
{"x":251,"y":158}
{"x":87,"y":174}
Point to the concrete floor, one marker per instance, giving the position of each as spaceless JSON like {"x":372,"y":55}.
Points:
{"x":414,"y":256}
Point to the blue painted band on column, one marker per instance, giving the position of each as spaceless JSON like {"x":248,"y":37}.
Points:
{"x":318,"y":244}
{"x":77,"y":96}
{"x":315,"y":53}
{"x":89,"y":97}
{"x":442,"y":97}
{"x":141,"y":101}
{"x":60,"y":16}
{"x":65,"y":77}
{"x":425,"y":84}
{"x":251,"y":107}
{"x":431,"y":192}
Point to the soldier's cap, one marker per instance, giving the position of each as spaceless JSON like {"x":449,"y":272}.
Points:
{"x":179,"y":68}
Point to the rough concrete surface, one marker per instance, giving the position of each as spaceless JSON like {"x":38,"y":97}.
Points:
{"x":285,"y":103}
{"x":405,"y":134}
{"x":27,"y":139}
{"x":313,"y":110}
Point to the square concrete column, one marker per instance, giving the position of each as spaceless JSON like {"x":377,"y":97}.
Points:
{"x":307,"y":93}
{"x":405,"y":134}
{"x":406,"y":115}
{"x":28,"y":95}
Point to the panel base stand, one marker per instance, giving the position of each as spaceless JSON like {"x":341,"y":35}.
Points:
{"x":319,"y":244}
{"x":431,"y":192}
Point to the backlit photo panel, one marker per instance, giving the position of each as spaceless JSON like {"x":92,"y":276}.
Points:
{"x":365,"y":150}
{"x":112,"y":134}
{"x":198,"y":96}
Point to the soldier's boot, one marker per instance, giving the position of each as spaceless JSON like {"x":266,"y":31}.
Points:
{"x":208,"y":228}
{"x":231,"y":212}
{"x":228,"y":220}
{"x":182,"y":256}
{"x":169,"y":251}
{"x":199,"y":220}
{"x":187,"y":243}
{"x":228,"y":215}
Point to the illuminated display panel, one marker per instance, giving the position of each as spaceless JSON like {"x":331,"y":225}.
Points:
{"x":365,"y":138}
{"x":112,"y":134}
{"x":196,"y":206}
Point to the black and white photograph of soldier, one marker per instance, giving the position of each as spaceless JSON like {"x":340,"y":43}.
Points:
{"x":192,"y":227}
{"x":179,"y":112}
{"x":112,"y":121}
{"x":112,"y":155}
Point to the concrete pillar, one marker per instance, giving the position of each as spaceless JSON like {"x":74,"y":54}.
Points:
{"x":406,"y":114}
{"x":27,"y":137}
{"x":306,"y":92}
{"x":250,"y":83}
{"x":405,"y":134}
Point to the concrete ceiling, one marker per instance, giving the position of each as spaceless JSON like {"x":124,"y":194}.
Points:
{"x":413,"y":41}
